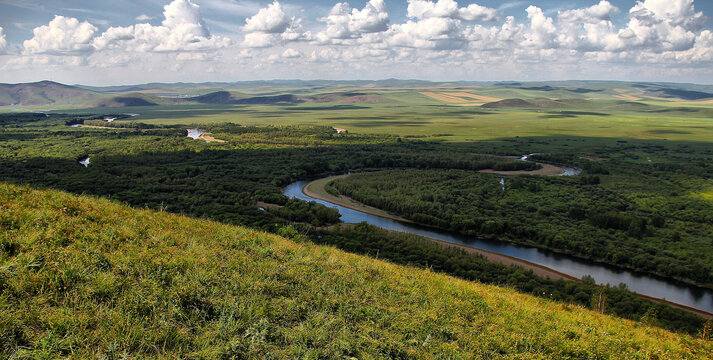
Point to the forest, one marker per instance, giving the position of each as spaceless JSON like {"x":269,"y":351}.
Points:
{"x":158,"y":167}
{"x":617,"y":212}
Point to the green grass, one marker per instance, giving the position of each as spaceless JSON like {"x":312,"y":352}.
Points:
{"x":408,"y":113}
{"x":706,"y":194}
{"x":87,"y":278}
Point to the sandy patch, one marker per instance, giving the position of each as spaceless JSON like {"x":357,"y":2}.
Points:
{"x":208,"y":138}
{"x":473,"y":96}
{"x":705,"y":102}
{"x":547,"y":170}
{"x":628,"y":97}
{"x":442,"y":97}
{"x":451,"y":99}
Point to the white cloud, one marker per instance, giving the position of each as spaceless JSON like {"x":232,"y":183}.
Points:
{"x":372,"y":18}
{"x":662,"y":25}
{"x":674,"y":12}
{"x":429,"y":33}
{"x":588,"y":29}
{"x":422,"y":9}
{"x":475,"y":12}
{"x":593,"y":14}
{"x":182,"y":29}
{"x":542,"y":29}
{"x":343,"y":22}
{"x":272,"y":26}
{"x":439,"y":36}
{"x":271,"y":20}
{"x":439,"y":26}
{"x":3,"y":42}
{"x":259,"y":40}
{"x":144,"y":17}
{"x":185,"y":17}
{"x":61,"y":36}
{"x":291,"y":54}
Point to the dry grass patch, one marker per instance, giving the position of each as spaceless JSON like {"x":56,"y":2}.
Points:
{"x":474,"y":96}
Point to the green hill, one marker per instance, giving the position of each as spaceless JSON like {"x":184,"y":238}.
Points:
{"x":44,"y":93}
{"x":130,"y":99}
{"x":88,"y":278}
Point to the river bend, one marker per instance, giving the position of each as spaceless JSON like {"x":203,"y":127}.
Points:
{"x":670,"y":290}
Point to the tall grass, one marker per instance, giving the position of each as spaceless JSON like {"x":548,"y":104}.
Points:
{"x":83,"y":277}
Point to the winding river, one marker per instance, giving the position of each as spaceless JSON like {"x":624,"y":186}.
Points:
{"x":670,"y":290}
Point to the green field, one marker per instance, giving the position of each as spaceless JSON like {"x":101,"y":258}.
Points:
{"x":126,"y":283}
{"x":642,"y":202}
{"x":410,"y":114}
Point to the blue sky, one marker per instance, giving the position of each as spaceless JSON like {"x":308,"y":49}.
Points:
{"x":129,"y":41}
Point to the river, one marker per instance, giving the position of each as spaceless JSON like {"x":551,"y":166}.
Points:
{"x":670,"y":290}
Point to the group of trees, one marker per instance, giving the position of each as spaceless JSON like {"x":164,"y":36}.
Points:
{"x":629,"y":220}
{"x":159,"y":168}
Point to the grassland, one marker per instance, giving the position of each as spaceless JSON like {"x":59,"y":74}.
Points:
{"x":196,"y":289}
{"x":411,"y":114}
{"x":85,"y":277}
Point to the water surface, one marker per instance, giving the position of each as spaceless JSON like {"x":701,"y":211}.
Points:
{"x":671,"y":290}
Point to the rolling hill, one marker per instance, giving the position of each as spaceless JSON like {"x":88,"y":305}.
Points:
{"x":44,"y":93}
{"x":130,"y":99}
{"x":83,"y":277}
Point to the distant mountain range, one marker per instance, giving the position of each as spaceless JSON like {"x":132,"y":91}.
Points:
{"x":48,"y":93}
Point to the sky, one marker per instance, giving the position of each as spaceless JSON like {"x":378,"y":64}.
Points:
{"x":138,"y":41}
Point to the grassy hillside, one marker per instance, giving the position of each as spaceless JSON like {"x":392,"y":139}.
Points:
{"x":83,"y":277}
{"x":44,"y":93}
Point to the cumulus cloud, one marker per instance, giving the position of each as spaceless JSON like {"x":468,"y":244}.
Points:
{"x":182,"y":29}
{"x":3,"y":42}
{"x":291,"y":54}
{"x":422,"y":9}
{"x":437,"y":33}
{"x":440,"y":26}
{"x":542,"y":32}
{"x":271,"y":26}
{"x":673,"y":12}
{"x":659,"y":25}
{"x":593,"y":14}
{"x":259,"y":40}
{"x":271,"y":20}
{"x":61,"y":36}
{"x":343,"y":22}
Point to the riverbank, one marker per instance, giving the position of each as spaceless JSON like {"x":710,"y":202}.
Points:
{"x":544,"y":170}
{"x":316,"y":189}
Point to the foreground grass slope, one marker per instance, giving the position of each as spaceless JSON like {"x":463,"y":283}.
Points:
{"x":85,"y":278}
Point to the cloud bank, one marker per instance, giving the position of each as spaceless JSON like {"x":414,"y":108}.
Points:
{"x":441,"y":36}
